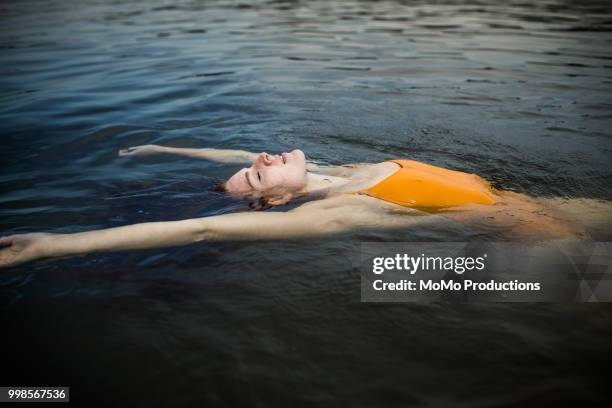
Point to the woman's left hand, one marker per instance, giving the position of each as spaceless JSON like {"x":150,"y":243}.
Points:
{"x":17,"y":249}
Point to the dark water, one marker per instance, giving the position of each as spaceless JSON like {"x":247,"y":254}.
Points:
{"x":518,"y":93}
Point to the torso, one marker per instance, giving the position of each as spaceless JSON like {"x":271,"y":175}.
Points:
{"x":515,"y":215}
{"x":414,"y":184}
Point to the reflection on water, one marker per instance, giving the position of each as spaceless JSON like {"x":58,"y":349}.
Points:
{"x":518,"y":93}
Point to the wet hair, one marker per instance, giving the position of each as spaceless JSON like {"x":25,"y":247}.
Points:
{"x":219,"y":187}
{"x":258,"y":204}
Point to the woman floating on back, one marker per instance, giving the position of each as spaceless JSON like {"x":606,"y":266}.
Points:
{"x":394,"y":194}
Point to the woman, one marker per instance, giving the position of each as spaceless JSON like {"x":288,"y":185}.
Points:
{"x":378,"y":196}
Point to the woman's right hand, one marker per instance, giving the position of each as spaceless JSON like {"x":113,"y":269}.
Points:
{"x":140,"y":150}
{"x":17,"y":249}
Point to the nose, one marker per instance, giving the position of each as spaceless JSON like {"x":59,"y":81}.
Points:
{"x":266,"y":159}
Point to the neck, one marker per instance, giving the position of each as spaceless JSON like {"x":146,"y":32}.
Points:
{"x":319,"y":183}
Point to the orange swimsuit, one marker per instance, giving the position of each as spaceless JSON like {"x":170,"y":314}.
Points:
{"x":418,"y":184}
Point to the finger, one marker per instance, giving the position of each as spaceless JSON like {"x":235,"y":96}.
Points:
{"x":7,"y":241}
{"x":126,"y":152}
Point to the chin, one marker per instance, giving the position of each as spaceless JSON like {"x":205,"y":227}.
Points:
{"x":299,"y":153}
{"x":299,"y":156}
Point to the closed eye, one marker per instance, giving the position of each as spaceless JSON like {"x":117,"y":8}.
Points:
{"x":259,"y":177}
{"x":249,"y":180}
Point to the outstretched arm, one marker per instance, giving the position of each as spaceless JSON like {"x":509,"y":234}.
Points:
{"x":300,"y":223}
{"x":215,"y":155}
{"x":210,"y":154}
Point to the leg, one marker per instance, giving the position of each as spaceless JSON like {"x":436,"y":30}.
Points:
{"x":594,"y":215}
{"x":519,"y":217}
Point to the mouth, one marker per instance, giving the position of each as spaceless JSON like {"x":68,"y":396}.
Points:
{"x":284,"y":157}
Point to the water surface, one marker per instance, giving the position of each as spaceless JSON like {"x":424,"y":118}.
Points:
{"x":517,"y":93}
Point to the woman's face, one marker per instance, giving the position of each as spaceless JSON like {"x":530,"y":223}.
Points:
{"x":285,"y":171}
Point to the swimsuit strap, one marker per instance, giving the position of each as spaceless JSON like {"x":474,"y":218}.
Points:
{"x":365,"y":191}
